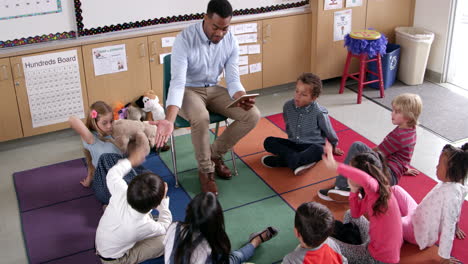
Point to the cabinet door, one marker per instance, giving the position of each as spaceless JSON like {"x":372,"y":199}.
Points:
{"x":10,"y":122}
{"x":328,"y":56}
{"x":286,"y":48}
{"x":123,"y":86}
{"x":23,"y":99}
{"x":156,"y":66}
{"x":386,"y":15}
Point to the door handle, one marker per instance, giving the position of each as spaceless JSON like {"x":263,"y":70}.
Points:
{"x":4,"y":73}
{"x":19,"y":72}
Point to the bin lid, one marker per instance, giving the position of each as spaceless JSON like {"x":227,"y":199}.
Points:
{"x":414,"y":33}
{"x":365,"y":34}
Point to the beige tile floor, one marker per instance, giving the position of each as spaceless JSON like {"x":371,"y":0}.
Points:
{"x":368,"y":119}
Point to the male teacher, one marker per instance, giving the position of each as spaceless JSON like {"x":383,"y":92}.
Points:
{"x":199,"y":55}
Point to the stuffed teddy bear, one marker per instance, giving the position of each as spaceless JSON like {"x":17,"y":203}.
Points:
{"x":149,"y":103}
{"x":125,"y":130}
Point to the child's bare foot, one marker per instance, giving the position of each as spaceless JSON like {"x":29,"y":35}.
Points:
{"x":263,"y":236}
{"x":86,"y":182}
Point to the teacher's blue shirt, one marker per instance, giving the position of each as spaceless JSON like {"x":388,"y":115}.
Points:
{"x":197,"y":62}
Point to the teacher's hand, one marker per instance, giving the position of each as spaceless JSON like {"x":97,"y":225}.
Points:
{"x":246,"y":104}
{"x":164,"y":131}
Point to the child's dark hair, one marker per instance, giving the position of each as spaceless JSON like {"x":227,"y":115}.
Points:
{"x":101,"y":109}
{"x":145,"y":192}
{"x":314,"y":222}
{"x":373,"y":163}
{"x":221,"y":7}
{"x":204,"y":215}
{"x":457,"y":162}
{"x":313,"y":81}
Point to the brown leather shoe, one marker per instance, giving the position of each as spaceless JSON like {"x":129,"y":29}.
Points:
{"x":221,"y":169}
{"x":207,"y":182}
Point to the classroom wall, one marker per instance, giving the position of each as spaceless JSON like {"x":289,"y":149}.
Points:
{"x":434,"y":16}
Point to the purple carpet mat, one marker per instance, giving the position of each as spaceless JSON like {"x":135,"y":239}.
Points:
{"x":50,"y":184}
{"x":59,"y":216}
{"x":61,"y":229}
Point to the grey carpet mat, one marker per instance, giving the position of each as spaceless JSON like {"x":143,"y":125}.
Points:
{"x":444,"y":112}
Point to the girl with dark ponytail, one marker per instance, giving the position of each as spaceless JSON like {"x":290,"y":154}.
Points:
{"x":371,"y":194}
{"x":201,"y":238}
{"x":436,"y":217}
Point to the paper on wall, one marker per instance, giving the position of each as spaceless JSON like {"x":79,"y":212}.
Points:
{"x":243,"y":70}
{"x":167,"y":42}
{"x":352,"y":3}
{"x":243,"y":50}
{"x":254,"y":49}
{"x":250,"y":27}
{"x":342,"y":24}
{"x":161,"y":57}
{"x":53,"y":87}
{"x":238,"y":29}
{"x":109,"y":59}
{"x":243,"y":60}
{"x":333,"y":4}
{"x":247,"y":38}
{"x":256,"y":67}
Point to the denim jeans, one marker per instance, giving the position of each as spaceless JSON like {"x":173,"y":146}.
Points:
{"x":293,"y":154}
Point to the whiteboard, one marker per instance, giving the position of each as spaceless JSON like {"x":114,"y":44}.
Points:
{"x":111,"y":13}
{"x":31,"y":26}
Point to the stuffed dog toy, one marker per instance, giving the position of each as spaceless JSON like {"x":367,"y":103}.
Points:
{"x":142,"y":133}
{"x":149,"y":103}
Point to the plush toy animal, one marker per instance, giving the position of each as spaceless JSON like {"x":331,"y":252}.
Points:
{"x":142,"y":133}
{"x":149,"y":103}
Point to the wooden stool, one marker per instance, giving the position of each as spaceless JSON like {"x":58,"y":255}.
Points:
{"x":360,"y":76}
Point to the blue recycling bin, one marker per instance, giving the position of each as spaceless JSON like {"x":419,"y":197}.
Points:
{"x":389,"y":67}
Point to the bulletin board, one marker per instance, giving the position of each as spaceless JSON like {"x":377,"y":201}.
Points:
{"x":96,"y":17}
{"x":34,"y":21}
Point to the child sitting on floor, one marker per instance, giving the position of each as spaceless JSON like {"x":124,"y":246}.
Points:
{"x":397,"y":146}
{"x":436,"y":217}
{"x":202,"y":238}
{"x":307,"y":126}
{"x":313,"y":224}
{"x":127,"y":232}
{"x":371,"y":194}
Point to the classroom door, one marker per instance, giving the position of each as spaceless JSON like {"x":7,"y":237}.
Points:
{"x":10,"y":122}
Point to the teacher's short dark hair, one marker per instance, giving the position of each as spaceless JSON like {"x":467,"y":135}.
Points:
{"x":221,"y":7}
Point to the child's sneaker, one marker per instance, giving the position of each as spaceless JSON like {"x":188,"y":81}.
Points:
{"x":334,"y":194}
{"x":303,"y":169}
{"x":339,"y":195}
{"x":271,"y":161}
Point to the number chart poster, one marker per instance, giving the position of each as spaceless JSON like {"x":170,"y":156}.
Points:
{"x":54,"y":87}
{"x":10,"y":9}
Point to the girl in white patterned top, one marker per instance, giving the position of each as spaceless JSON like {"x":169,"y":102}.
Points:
{"x":437,"y":216}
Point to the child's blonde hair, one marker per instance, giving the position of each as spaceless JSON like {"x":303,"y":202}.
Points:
{"x":100,"y":109}
{"x":410,"y":105}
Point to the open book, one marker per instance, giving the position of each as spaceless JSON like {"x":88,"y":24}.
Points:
{"x":242,"y":98}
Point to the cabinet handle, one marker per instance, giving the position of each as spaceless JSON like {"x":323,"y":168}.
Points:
{"x":4,"y":73}
{"x":19,"y":72}
{"x":142,"y":50}
{"x":153,"y":48}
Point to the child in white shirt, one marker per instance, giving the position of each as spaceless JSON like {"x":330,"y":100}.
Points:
{"x":436,"y":217}
{"x":127,"y":232}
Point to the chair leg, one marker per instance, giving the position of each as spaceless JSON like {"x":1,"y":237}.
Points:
{"x":174,"y":161}
{"x":379,"y":68}
{"x":345,"y":72}
{"x":362,"y":75}
{"x":217,"y":130}
{"x":233,"y":156}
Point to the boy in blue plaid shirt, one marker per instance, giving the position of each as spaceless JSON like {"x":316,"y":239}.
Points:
{"x":307,"y":126}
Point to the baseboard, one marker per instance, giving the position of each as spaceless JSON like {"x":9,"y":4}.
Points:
{"x":432,"y":76}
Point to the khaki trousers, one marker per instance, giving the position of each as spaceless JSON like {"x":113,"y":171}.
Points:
{"x":195,"y":106}
{"x":149,"y":248}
